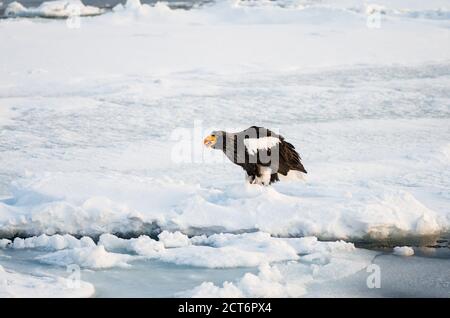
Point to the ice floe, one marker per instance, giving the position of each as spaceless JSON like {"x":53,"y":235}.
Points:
{"x":53,"y":9}
{"x":215,"y":251}
{"x":14,"y":284}
{"x":375,"y":212}
{"x":286,"y":267}
{"x":292,"y":279}
{"x":88,"y":257}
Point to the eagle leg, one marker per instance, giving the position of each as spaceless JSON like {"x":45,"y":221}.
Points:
{"x":274,"y":178}
{"x":250,"y":178}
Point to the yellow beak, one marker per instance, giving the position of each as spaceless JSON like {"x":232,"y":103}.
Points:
{"x":210,"y":141}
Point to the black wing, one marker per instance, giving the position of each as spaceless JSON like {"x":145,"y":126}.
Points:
{"x":288,"y":158}
{"x":258,"y":157}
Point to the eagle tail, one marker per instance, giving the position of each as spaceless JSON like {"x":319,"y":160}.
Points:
{"x":300,"y":168}
{"x":291,"y":157}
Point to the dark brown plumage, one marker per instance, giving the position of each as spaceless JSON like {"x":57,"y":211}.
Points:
{"x":262,"y":153}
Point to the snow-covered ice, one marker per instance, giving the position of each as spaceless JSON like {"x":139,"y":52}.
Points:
{"x":54,"y":242}
{"x":90,"y":118}
{"x":215,"y":251}
{"x":176,"y":239}
{"x":88,"y":257}
{"x":52,"y":9}
{"x":13,"y":284}
{"x":292,"y":267}
{"x":276,"y":258}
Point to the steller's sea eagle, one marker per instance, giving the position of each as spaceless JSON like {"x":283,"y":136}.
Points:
{"x":260,"y":152}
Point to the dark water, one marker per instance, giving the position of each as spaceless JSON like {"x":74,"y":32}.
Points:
{"x":434,"y":246}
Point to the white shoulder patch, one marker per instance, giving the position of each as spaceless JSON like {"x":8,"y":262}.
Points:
{"x":263,"y":143}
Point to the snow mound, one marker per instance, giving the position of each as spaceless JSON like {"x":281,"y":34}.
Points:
{"x":47,"y":207}
{"x":137,"y":8}
{"x":176,"y":239}
{"x":288,"y":267}
{"x":14,"y":284}
{"x":228,"y":250}
{"x":53,"y":9}
{"x":54,"y":242}
{"x":403,"y":251}
{"x":215,"y":251}
{"x":325,"y":264}
{"x":269,"y":282}
{"x":143,"y":245}
{"x":89,"y":257}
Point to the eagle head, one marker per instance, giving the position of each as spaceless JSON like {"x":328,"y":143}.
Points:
{"x":215,"y":140}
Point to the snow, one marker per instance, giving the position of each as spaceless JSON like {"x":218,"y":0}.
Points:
{"x":54,"y":242}
{"x":228,"y":250}
{"x":87,"y":117}
{"x":4,"y":243}
{"x":88,"y":257}
{"x":403,"y":251}
{"x":91,"y":176}
{"x":5,"y":115}
{"x":214,"y":251}
{"x":292,"y":279}
{"x":290,"y":209}
{"x":267,"y":283}
{"x":143,"y":245}
{"x":286,"y":267}
{"x":14,"y":284}
{"x":52,"y":9}
{"x":176,"y":239}
{"x":276,"y":258}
